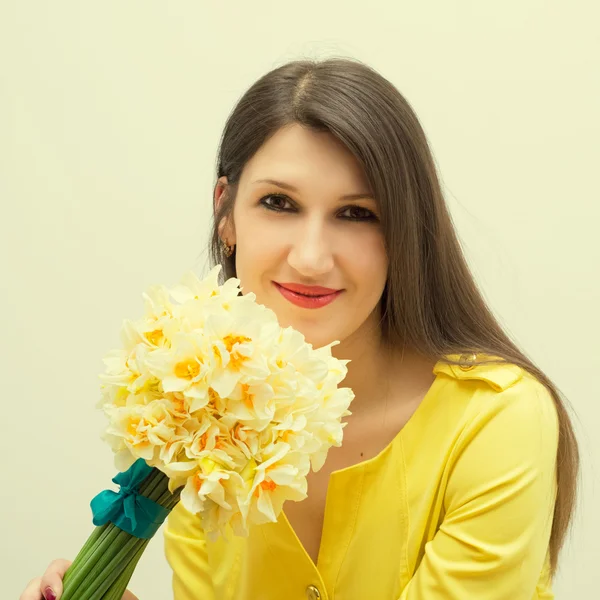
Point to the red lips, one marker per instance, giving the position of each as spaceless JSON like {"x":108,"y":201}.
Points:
{"x":308,"y":290}
{"x":307,"y":296}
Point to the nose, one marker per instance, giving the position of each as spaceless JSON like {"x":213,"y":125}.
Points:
{"x":311,"y":254}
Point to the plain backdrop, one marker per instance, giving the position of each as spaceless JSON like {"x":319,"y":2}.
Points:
{"x":110,"y":117}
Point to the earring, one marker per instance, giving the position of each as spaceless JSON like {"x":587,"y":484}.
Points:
{"x":227,"y":250}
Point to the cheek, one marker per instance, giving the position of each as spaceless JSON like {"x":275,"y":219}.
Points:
{"x":260,"y":246}
{"x":366,"y":260}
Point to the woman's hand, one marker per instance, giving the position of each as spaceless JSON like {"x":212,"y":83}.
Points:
{"x":50,"y":587}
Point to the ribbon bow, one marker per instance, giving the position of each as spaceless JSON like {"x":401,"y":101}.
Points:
{"x":128,"y":509}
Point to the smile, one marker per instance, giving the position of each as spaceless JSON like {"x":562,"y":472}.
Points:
{"x":308,"y":300}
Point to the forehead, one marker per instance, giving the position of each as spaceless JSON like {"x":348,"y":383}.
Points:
{"x":299,"y":155}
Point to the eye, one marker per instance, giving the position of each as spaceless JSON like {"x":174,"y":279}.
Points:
{"x":358,"y":213}
{"x":275,"y":202}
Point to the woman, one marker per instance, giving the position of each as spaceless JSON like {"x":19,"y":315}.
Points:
{"x":457,"y":475}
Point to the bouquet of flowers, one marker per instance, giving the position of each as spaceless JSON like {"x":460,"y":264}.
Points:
{"x":212,"y":403}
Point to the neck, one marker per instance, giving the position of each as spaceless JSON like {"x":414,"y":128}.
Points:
{"x":377,"y":373}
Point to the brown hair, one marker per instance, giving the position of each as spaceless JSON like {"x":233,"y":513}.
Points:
{"x":430,"y":301}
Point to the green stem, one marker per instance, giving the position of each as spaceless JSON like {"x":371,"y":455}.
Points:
{"x":108,"y":558}
{"x":118,"y":588}
{"x":78,"y":570}
{"x":96,"y":537}
{"x":120,"y":565}
{"x":93,"y":539}
{"x":166,"y":497}
{"x":151,"y":482}
{"x":108,"y":568}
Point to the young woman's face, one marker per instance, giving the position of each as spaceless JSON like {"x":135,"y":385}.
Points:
{"x":310,"y":235}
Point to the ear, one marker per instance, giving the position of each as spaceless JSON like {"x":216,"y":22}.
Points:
{"x":225,"y":227}
{"x":219,"y":192}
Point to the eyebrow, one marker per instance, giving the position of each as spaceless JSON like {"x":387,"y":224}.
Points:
{"x":291,"y":188}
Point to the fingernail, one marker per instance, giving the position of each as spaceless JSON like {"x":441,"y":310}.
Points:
{"x":49,"y":594}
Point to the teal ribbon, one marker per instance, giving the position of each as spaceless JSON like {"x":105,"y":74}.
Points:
{"x":128,"y":509}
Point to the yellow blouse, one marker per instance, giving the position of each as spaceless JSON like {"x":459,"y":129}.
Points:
{"x":458,"y":506}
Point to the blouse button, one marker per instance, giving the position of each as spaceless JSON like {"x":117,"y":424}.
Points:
{"x":312,"y":593}
{"x":466,"y":361}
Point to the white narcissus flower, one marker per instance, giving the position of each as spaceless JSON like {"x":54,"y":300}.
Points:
{"x":294,"y":349}
{"x":292,"y":431}
{"x":325,"y":427}
{"x":251,"y":405}
{"x":157,"y":303}
{"x":235,"y":353}
{"x":282,"y":476}
{"x":183,"y":367}
{"x":210,"y":390}
{"x":152,"y":328}
{"x":193,"y":288}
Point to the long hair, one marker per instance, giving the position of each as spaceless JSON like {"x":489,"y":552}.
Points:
{"x":431,"y":301}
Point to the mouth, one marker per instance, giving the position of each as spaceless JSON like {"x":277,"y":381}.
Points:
{"x":307,"y":296}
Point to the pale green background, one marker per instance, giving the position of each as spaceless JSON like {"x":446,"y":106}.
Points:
{"x":110,"y":115}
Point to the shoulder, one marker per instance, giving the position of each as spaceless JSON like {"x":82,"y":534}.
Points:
{"x":504,"y":446}
{"x":491,"y":388}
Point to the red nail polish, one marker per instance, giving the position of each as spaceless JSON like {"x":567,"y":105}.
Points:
{"x":49,"y":594}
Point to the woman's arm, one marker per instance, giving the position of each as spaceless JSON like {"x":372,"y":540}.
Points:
{"x":493,"y":541}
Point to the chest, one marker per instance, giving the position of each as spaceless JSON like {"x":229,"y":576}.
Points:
{"x":364,"y":438}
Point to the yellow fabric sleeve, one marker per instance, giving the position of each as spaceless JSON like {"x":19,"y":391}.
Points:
{"x":493,"y":541}
{"x":185,"y":549}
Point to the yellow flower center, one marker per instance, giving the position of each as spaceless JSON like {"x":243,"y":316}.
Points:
{"x":203,"y":440}
{"x":154,"y":337}
{"x":266,"y":485}
{"x":179,"y":403}
{"x":208,"y":465}
{"x":187,"y":369}
{"x":247,"y":397}
{"x":197,"y":482}
{"x":121,"y":396}
{"x":231,"y":340}
{"x":133,"y":425}
{"x":213,"y":396}
{"x":152,"y":386}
